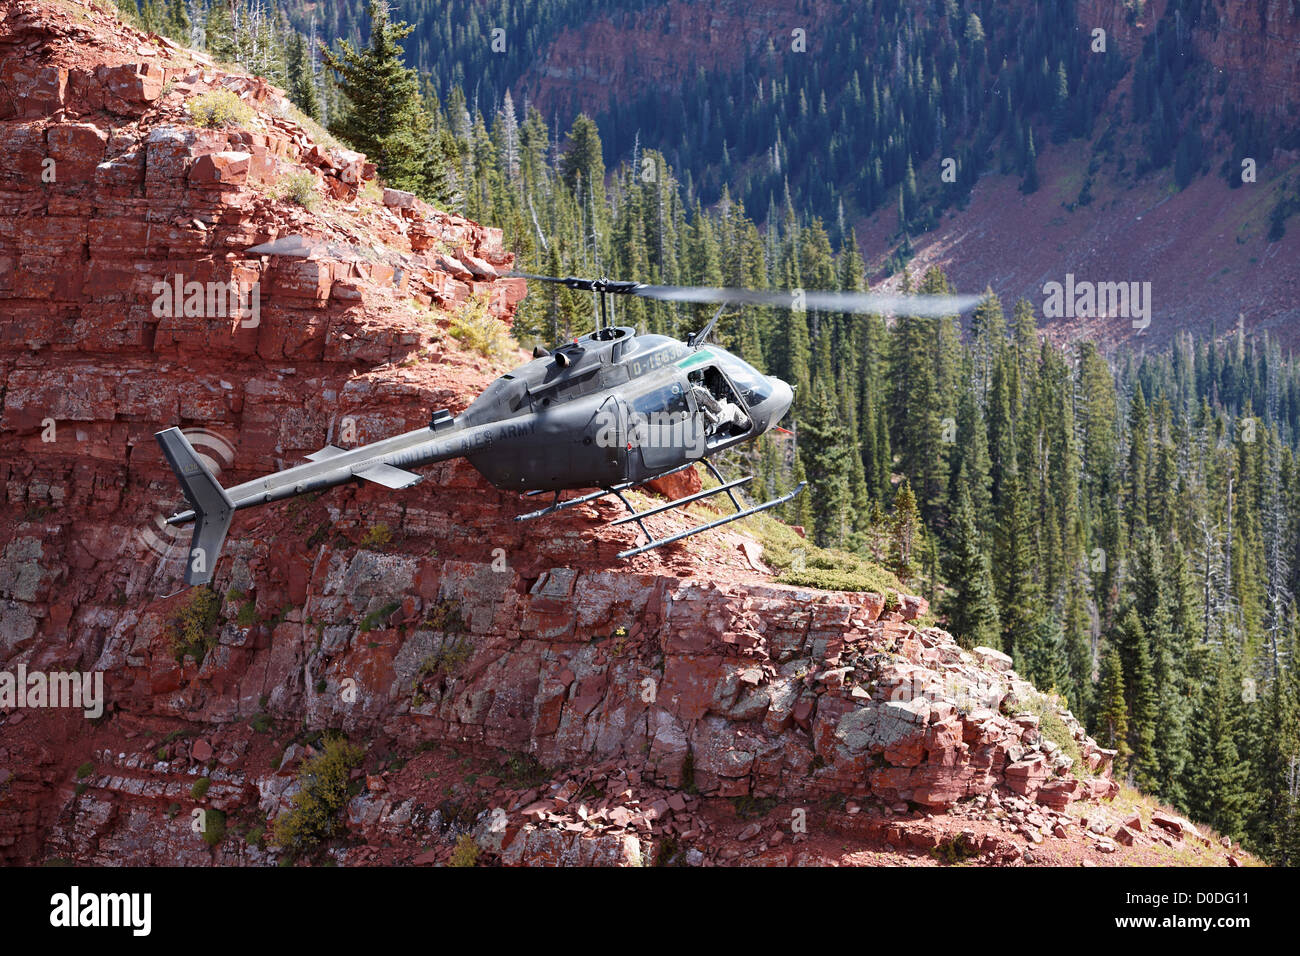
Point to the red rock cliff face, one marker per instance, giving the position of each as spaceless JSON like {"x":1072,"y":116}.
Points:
{"x":661,"y":47}
{"x":1254,"y":44}
{"x":423,"y":624}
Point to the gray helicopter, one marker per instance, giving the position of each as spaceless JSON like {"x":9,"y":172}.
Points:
{"x":610,"y":410}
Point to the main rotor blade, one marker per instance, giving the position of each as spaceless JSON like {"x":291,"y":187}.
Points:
{"x":301,"y":247}
{"x":585,"y":285}
{"x":295,"y":246}
{"x":877,"y":302}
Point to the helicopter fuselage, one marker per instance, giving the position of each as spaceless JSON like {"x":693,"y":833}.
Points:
{"x":610,"y":407}
{"x":614,"y":407}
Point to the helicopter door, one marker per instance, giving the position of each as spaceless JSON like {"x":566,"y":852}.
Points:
{"x":664,"y":426}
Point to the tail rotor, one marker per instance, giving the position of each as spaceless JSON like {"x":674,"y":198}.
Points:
{"x":211,"y":508}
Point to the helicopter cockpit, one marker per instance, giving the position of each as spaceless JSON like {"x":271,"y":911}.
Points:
{"x":724,"y":415}
{"x":754,"y":387}
{"x":727,"y":391}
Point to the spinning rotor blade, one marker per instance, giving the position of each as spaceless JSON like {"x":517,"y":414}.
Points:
{"x":584,"y":285}
{"x":302,"y":247}
{"x":877,"y":302}
{"x":296,"y":246}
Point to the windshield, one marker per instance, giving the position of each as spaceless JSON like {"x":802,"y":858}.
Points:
{"x":753,"y":386}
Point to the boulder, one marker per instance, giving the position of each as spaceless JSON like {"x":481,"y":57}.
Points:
{"x":227,"y":168}
{"x":993,"y":658}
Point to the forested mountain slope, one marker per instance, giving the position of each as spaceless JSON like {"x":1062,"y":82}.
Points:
{"x":891,"y":115}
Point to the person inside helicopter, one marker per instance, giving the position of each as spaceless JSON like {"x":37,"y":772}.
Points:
{"x":718,"y":403}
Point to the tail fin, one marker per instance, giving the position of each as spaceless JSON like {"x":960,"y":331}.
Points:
{"x":213,"y":508}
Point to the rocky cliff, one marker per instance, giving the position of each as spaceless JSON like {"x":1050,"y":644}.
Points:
{"x":1250,"y":44}
{"x":511,"y":682}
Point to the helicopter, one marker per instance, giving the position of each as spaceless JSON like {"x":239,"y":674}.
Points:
{"x":610,"y":410}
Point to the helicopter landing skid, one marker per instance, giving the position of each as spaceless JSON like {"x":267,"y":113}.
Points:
{"x":689,"y":532}
{"x":558,"y":505}
{"x":639,"y":516}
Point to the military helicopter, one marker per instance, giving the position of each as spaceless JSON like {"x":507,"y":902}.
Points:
{"x":612,"y":409}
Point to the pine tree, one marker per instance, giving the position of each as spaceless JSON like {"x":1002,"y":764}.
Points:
{"x":1112,"y":711}
{"x":1153,"y":591}
{"x":582,"y":162}
{"x":971,"y":607}
{"x":987,"y":337}
{"x":219,"y":32}
{"x":302,"y":79}
{"x":1273,"y":826}
{"x":130,"y":11}
{"x":1217,"y":776}
{"x":915,"y":408}
{"x":1019,"y":601}
{"x":1045,"y":661}
{"x":385,"y":117}
{"x":176,"y":21}
{"x":1030,"y":183}
{"x":1140,"y":689}
{"x":906,"y":525}
{"x":151,"y":16}
{"x":1061,"y":105}
{"x":969,"y":457}
{"x":1139,"y":451}
{"x":793,"y":354}
{"x":824,"y":451}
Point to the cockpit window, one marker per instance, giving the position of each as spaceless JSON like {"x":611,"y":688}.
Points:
{"x":754,"y":387}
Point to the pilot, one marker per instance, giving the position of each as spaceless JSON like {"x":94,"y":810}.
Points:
{"x":720,"y":412}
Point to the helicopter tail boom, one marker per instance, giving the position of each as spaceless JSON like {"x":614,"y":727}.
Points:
{"x":386,"y":462}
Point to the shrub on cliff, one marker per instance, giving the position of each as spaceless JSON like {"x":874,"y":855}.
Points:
{"x":376,"y":537}
{"x":192,"y":631}
{"x":465,"y":852}
{"x":478,"y":331}
{"x":447,"y":659}
{"x":313,"y":814}
{"x":300,"y":188}
{"x":214,"y":826}
{"x":805,"y":565}
{"x":219,"y":108}
{"x":1053,"y":727}
{"x":840,"y":579}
